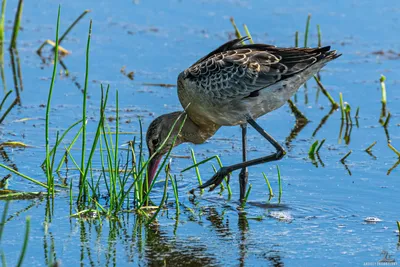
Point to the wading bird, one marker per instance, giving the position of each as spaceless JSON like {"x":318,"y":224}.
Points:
{"x":234,"y":85}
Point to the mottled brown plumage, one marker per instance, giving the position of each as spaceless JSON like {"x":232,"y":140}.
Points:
{"x":233,"y":85}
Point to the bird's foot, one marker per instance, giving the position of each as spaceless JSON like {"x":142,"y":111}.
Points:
{"x":216,"y":179}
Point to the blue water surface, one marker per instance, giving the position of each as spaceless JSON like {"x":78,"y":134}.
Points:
{"x":320,"y":220}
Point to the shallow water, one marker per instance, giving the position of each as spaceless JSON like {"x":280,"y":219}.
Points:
{"x":320,"y":220}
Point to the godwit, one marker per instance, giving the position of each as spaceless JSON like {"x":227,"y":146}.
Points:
{"x":234,"y":85}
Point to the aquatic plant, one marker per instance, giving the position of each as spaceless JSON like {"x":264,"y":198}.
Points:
{"x":307,"y":30}
{"x":271,"y":193}
{"x":17,"y":23}
{"x":118,"y":183}
{"x":243,"y":204}
{"x":312,"y":149}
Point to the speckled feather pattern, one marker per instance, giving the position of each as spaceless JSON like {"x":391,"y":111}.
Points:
{"x":233,"y":74}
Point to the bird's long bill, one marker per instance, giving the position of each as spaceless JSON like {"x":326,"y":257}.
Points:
{"x":152,"y":168}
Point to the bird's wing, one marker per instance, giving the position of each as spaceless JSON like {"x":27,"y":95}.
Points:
{"x":235,"y":70}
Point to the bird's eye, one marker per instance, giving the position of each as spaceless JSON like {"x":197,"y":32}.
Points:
{"x":155,"y":142}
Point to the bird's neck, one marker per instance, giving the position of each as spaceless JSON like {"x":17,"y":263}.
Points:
{"x":197,"y":134}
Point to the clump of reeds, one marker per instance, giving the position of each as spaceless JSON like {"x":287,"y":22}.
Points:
{"x":119,"y":175}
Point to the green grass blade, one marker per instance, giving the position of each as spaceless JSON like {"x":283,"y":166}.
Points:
{"x":52,"y":163}
{"x":246,"y":196}
{"x":248,"y":33}
{"x":198,"y":164}
{"x":237,"y":32}
{"x":24,"y":176}
{"x":61,"y":139}
{"x":226,"y":179}
{"x":116,"y":165}
{"x":74,"y":161}
{"x":271,"y":193}
{"x":53,"y":77}
{"x":82,"y":182}
{"x":72,"y":26}
{"x":176,"y":195}
{"x":17,"y":23}
{"x":326,"y":93}
{"x":307,"y":30}
{"x":162,"y":200}
{"x":311,"y":152}
{"x":4,"y":99}
{"x":2,"y":19}
{"x":279,"y":184}
{"x":69,"y":148}
{"x":341,"y":106}
{"x":320,"y":145}
{"x":196,"y":168}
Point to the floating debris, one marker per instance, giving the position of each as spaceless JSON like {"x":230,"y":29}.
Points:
{"x":389,"y":54}
{"x":372,"y":220}
{"x":130,"y":75}
{"x":13,"y":144}
{"x":283,"y":216}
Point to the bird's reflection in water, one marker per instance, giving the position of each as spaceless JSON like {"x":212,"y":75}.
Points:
{"x":157,"y":245}
{"x":274,"y":257}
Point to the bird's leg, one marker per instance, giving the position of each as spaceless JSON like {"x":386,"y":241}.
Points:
{"x":243,"y":176}
{"x":224,"y":171}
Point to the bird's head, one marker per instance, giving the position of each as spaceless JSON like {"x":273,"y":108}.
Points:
{"x":157,"y":133}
